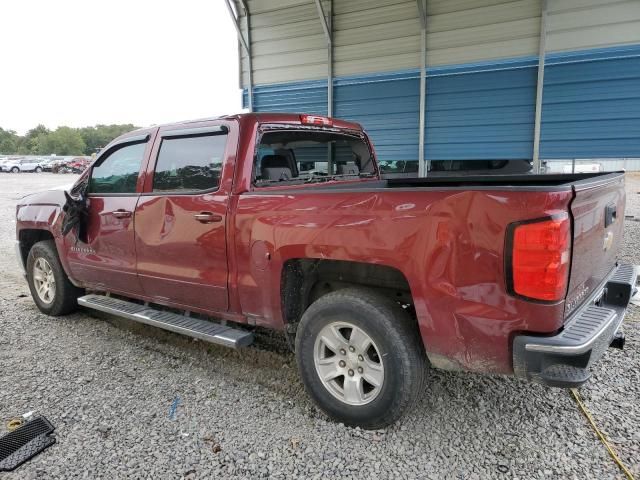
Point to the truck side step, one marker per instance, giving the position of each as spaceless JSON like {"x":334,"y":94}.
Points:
{"x":192,"y":327}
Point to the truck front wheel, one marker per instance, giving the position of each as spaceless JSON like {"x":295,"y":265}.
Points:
{"x":360,"y":357}
{"x":50,"y":287}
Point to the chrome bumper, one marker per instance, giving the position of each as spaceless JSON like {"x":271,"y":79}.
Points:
{"x":562,"y":360}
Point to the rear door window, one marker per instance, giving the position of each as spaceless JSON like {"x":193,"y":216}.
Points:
{"x":192,"y":163}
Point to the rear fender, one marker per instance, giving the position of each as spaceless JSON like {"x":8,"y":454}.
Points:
{"x":278,"y":259}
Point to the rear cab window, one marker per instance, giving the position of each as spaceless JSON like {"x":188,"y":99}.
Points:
{"x":291,"y":156}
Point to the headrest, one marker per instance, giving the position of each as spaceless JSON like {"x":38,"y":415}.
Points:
{"x":276,"y":173}
{"x":274,"y":161}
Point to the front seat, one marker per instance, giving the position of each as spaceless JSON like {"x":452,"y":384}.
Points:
{"x":348,"y":168}
{"x":275,"y":167}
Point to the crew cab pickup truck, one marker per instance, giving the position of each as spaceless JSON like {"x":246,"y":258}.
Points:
{"x":213,"y":228}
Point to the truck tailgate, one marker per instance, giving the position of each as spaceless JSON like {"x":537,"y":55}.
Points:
{"x":598,"y":220}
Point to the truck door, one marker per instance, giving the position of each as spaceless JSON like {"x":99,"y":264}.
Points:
{"x":181,"y":217}
{"x":106,"y":257}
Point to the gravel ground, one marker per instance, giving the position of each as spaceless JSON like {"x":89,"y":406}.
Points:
{"x":108,"y":385}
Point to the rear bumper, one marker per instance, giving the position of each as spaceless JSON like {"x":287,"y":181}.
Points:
{"x":562,"y":360}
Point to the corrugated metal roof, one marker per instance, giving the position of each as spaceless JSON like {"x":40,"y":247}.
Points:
{"x":287,"y":41}
{"x":438,"y":7}
{"x":475,"y":14}
{"x":377,"y":35}
{"x":578,"y":24}
{"x":470,"y":30}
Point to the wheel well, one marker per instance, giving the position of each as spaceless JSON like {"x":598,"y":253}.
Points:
{"x":306,"y":280}
{"x":28,"y":238}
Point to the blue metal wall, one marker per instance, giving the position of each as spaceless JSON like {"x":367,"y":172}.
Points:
{"x":591,"y":104}
{"x":482,"y":111}
{"x":387,"y":106}
{"x":307,"y":97}
{"x":591,"y":107}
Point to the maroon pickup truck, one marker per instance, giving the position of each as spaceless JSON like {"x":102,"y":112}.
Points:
{"x":213,"y":228}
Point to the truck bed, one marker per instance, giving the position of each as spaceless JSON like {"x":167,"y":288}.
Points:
{"x":551,"y":182}
{"x":559,"y":181}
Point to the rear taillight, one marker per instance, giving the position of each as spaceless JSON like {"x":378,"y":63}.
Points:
{"x":540,"y":256}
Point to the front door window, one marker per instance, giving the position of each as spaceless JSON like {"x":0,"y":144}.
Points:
{"x":118,"y":171}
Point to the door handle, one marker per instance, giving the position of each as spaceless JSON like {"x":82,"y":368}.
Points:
{"x":207,"y":217}
{"x":120,"y":213}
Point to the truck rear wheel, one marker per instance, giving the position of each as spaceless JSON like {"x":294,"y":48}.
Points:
{"x":360,"y":357}
{"x":50,"y":287}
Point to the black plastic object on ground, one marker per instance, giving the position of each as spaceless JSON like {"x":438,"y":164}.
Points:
{"x":25,"y":442}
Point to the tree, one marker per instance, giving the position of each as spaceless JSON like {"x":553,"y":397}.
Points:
{"x":62,"y":141}
{"x":29,"y":143}
{"x":96,"y":138}
{"x":8,"y":141}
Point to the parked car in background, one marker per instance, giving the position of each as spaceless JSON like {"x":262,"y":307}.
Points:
{"x":79,"y":164}
{"x":22,"y":165}
{"x":47,"y":164}
{"x":61,"y":166}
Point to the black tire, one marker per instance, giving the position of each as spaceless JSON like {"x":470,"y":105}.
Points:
{"x":395,"y":335}
{"x":65,"y":299}
{"x":15,"y":170}
{"x":38,"y":170}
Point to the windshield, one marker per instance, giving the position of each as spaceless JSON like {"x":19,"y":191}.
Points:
{"x":295,"y":156}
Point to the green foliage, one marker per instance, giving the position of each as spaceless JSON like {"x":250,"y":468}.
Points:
{"x":61,"y":141}
{"x":8,"y":141}
{"x":29,"y":143}
{"x":99,"y":136}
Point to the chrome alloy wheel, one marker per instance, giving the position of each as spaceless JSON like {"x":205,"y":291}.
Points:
{"x":44,"y":280}
{"x":348,"y":363}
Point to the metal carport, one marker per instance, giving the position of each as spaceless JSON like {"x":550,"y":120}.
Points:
{"x":440,"y":82}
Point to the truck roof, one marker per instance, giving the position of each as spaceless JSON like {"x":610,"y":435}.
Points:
{"x":263,"y":117}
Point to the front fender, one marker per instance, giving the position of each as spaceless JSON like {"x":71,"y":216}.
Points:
{"x":43,"y":211}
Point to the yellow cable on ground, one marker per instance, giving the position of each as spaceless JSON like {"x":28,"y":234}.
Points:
{"x":603,"y":439}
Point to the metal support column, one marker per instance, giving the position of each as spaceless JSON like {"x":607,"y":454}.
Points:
{"x":423,"y":168}
{"x":540,"y":87}
{"x":327,"y":26}
{"x":246,"y":44}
